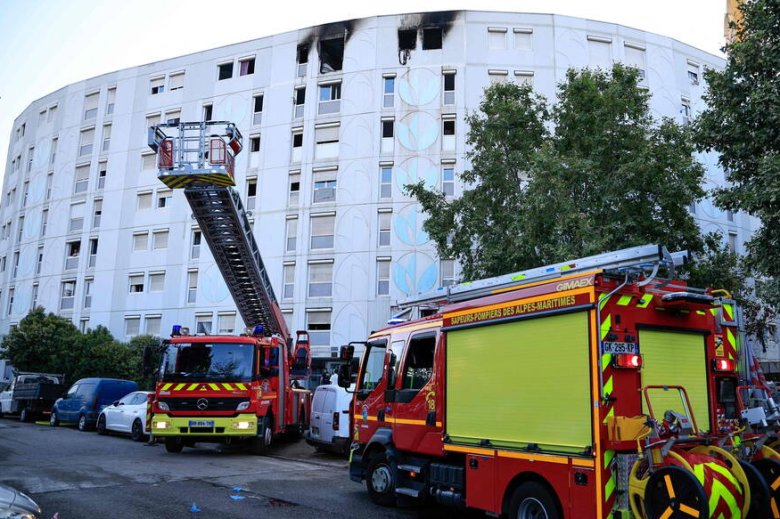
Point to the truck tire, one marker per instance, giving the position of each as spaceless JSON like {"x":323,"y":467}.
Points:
{"x":531,"y":500}
{"x":25,"y":415}
{"x":137,"y":431}
{"x":380,"y":480}
{"x":265,"y":433}
{"x":54,"y":421}
{"x":173,"y":445}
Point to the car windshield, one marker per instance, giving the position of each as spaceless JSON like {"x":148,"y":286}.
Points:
{"x":215,"y":361}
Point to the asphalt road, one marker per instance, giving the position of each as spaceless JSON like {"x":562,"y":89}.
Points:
{"x":74,"y":475}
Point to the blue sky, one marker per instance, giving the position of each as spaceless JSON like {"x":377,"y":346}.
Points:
{"x":47,"y":44}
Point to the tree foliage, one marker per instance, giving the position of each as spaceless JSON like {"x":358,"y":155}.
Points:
{"x":594,"y":172}
{"x":742,"y":124}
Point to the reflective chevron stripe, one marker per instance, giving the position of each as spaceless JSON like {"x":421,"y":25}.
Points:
{"x":203,"y":386}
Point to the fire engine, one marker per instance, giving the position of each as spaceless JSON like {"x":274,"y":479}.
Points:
{"x":225,"y":388}
{"x":595,"y":388}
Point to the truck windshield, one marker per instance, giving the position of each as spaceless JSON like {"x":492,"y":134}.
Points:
{"x":215,"y":361}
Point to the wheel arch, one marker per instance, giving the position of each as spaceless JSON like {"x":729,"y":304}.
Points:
{"x":526,"y":477}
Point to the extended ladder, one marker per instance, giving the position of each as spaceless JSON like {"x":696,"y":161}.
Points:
{"x":203,"y":165}
{"x":643,"y":257}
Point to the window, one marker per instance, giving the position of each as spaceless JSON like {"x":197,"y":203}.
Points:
{"x":197,"y":236}
{"x":132,"y":325}
{"x":732,"y":242}
{"x":246,"y":66}
{"x":448,"y":134}
{"x":88,"y":282}
{"x":257,"y":108}
{"x":295,"y":188}
{"x":254,"y":143}
{"x":192,"y":285}
{"x":203,"y":323}
{"x":326,"y":141}
{"x":292,"y":234}
{"x":448,"y":181}
{"x":299,"y":100}
{"x":144,"y":200}
{"x":693,"y":72}
{"x":251,"y":192}
{"x":20,"y":229}
{"x":136,"y":282}
{"x":34,"y":296}
{"x":67,"y":293}
{"x":52,"y":113}
{"x":110,"y":100}
{"x":160,"y":240}
{"x":318,"y":325}
{"x":77,"y":216}
{"x":523,"y":38}
{"x":226,"y":323}
{"x":41,"y":117}
{"x":324,"y":186}
{"x":93,"y":249}
{"x":225,"y":70}
{"x":407,"y":39}
{"x":148,"y":162}
{"x":432,"y":38}
{"x":25,"y":192}
{"x":2,"y":263}
{"x":208,"y":111}
{"x":16,"y":265}
{"x":152,"y":120}
{"x":447,"y":272}
{"x":53,"y":156}
{"x":297,"y":145}
{"x":102,"y":170}
{"x":30,"y":156}
{"x":164,"y":198}
{"x":685,"y":110}
{"x":140,"y":240}
{"x":600,"y":51}
{"x":635,"y":57}
{"x":497,"y":38}
{"x":729,"y":216}
{"x":385,"y":181}
{"x":106,"y":138}
{"x":387,"y":142}
{"x":152,"y":323}
{"x":382,"y":277}
{"x":91,"y":105}
{"x":44,"y":222}
{"x":49,"y":182}
{"x":173,"y":116}
{"x":320,"y":279}
{"x":449,"y":88}
{"x":156,"y":281}
{"x":86,"y":140}
{"x":497,"y":76}
{"x":39,"y":261}
{"x":418,"y":365}
{"x":322,"y":229}
{"x":82,"y":179}
{"x":389,"y":92}
{"x":157,"y":85}
{"x":330,"y":98}
{"x":176,"y":81}
{"x":289,"y":280}
{"x":331,"y":54}
{"x":524,"y":77}
{"x":302,"y":58}
{"x":385,"y":218}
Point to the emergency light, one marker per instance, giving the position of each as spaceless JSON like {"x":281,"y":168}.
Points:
{"x":257,"y":331}
{"x":628,"y":361}
{"x":176,"y":330}
{"x":723,"y":364}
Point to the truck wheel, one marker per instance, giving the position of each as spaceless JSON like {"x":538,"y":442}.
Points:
{"x":531,"y":500}
{"x":137,"y":431}
{"x":759,"y":492}
{"x":173,"y":445}
{"x":380,"y":481}
{"x":24,"y":415}
{"x":82,"y":425}
{"x":53,"y":420}
{"x":101,"y":425}
{"x":265,"y":433}
{"x":674,"y":491}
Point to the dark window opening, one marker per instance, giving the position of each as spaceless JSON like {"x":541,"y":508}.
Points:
{"x":449,"y":82}
{"x":295,"y":186}
{"x":449,"y":127}
{"x":251,"y":188}
{"x":302,"y":55}
{"x":407,"y":39}
{"x":300,"y":96}
{"x":247,"y":67}
{"x":331,"y":55}
{"x":207,"y":112}
{"x":297,"y":140}
{"x":258,"y":104}
{"x":432,"y":38}
{"x":254,"y":143}
{"x":387,"y":129}
{"x":225,"y":71}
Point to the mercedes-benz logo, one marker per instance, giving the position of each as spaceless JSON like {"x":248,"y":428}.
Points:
{"x":202,"y":404}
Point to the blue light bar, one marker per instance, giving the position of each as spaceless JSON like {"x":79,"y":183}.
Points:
{"x":176,"y":330}
{"x":258,"y":330}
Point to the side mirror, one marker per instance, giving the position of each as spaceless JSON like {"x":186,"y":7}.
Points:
{"x":346,"y":353}
{"x":345,"y":376}
{"x":115,"y":403}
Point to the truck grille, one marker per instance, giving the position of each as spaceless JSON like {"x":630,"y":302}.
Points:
{"x":213,"y":404}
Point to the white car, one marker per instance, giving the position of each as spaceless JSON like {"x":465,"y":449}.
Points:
{"x":127,"y":415}
{"x":329,"y":425}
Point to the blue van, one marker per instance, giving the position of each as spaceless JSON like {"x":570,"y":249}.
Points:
{"x":86,"y":398}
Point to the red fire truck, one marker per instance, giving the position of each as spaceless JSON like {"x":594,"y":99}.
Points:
{"x":226,"y":388}
{"x":588,"y":389}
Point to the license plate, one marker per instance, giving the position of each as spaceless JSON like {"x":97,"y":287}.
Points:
{"x":619,"y":347}
{"x":201,"y":423}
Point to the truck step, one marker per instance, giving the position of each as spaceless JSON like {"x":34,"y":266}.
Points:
{"x":410,"y":492}
{"x":411,"y":468}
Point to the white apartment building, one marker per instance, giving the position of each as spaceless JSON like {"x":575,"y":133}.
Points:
{"x":336,"y":120}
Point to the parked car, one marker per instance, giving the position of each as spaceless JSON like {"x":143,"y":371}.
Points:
{"x":31,"y":395}
{"x":86,"y":398}
{"x":17,"y":505}
{"x":329,"y":424}
{"x":126,"y":415}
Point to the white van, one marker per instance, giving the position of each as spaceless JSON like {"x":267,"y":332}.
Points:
{"x":329,"y":424}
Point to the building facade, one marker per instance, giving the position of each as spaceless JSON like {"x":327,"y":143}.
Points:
{"x":336,"y":120}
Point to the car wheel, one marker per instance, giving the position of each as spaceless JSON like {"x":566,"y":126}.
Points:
{"x":380,"y":480}
{"x":24,"y":415}
{"x":173,"y":445}
{"x":265,"y":432}
{"x":532,"y":501}
{"x":101,"y":425}
{"x":82,"y":425}
{"x":54,"y":421}
{"x":137,"y":431}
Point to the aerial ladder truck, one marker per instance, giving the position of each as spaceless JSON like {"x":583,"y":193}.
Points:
{"x":217,"y":388}
{"x":589,"y":389}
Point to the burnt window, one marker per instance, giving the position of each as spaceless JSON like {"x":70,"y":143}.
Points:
{"x":407,"y":39}
{"x":302,"y":54}
{"x":225,"y":70}
{"x":331,"y":54}
{"x":432,"y":38}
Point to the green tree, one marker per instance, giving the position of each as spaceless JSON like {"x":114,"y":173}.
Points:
{"x":606,"y":176}
{"x":742,"y":123}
